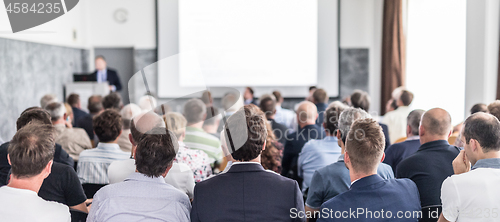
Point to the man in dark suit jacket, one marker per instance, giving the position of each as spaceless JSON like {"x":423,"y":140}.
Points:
{"x":306,"y":117}
{"x":320,"y":99}
{"x":102,"y":74}
{"x":432,"y":163}
{"x":247,"y":192}
{"x":399,"y":151}
{"x":371,"y":198}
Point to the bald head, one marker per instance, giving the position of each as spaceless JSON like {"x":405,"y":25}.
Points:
{"x":143,"y":123}
{"x":436,"y":122}
{"x":307,"y":113}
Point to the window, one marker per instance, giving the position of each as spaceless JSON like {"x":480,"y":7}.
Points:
{"x":435,"y":70}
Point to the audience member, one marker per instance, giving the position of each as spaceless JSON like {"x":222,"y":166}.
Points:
{"x":399,"y":151}
{"x":494,"y":108}
{"x":147,"y":103}
{"x":364,"y":150}
{"x":31,"y":153}
{"x":179,"y":176}
{"x":309,"y":97}
{"x":262,"y":195}
{"x":197,"y":160}
{"x":284,"y":116}
{"x":332,"y":180}
{"x":479,"y":107}
{"x":72,"y":140}
{"x":361,"y":99}
{"x":47,"y":99}
{"x":196,"y":138}
{"x":144,"y":195}
{"x":93,"y":164}
{"x":113,"y":101}
{"x":431,"y":164}
{"x":320,"y":99}
{"x":268,"y":106}
{"x":95,"y":107}
{"x":76,"y":105}
{"x":319,"y":153}
{"x":69,"y":113}
{"x":212,"y":121}
{"x":468,"y":190}
{"x":248,"y":96}
{"x":128,"y":112}
{"x":307,"y":114}
{"x":270,"y":158}
{"x":396,"y":120}
{"x":28,"y":115}
{"x":206,"y":97}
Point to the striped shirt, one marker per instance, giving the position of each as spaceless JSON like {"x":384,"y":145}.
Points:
{"x":93,"y":164}
{"x":198,"y":139}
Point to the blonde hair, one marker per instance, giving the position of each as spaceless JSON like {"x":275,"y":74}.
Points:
{"x":176,"y":123}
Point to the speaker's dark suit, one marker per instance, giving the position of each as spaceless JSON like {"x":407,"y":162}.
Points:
{"x":247,"y":192}
{"x":111,"y":76}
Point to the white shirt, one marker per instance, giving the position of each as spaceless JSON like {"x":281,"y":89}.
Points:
{"x":473,"y":196}
{"x":396,"y":122}
{"x":20,"y":205}
{"x":180,"y":175}
{"x":286,"y":117}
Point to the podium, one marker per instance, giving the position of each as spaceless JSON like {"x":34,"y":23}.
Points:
{"x":85,"y":90}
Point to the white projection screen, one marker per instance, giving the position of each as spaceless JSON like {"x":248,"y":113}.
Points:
{"x":285,"y":45}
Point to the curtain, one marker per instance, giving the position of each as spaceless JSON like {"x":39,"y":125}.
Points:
{"x":393,"y":50}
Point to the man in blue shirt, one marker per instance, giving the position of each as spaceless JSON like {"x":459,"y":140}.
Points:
{"x":334,"y":179}
{"x":370,"y":197}
{"x":399,"y":151}
{"x":319,"y":153}
{"x":144,"y":195}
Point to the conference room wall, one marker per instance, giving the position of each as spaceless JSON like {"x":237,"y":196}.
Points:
{"x":30,"y":70}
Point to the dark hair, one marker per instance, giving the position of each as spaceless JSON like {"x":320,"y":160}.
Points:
{"x":206,"y":97}
{"x":250,"y":90}
{"x":100,"y":57}
{"x":212,"y":113}
{"x":365,"y":145}
{"x":268,"y":106}
{"x":413,"y":120}
{"x":194,"y":110}
{"x":140,"y":124}
{"x":320,"y":96}
{"x":277,"y":95}
{"x":155,"y":152}
{"x":332,"y":116}
{"x":436,"y":125}
{"x":479,"y":107}
{"x":360,"y":99}
{"x":485,"y":128}
{"x":33,"y":114}
{"x":312,"y":87}
{"x":112,"y":101}
{"x":31,"y":149}
{"x":245,"y":133}
{"x":406,"y":97}
{"x":95,"y":104}
{"x":107,"y":125}
{"x":394,"y":104}
{"x":73,"y":99}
